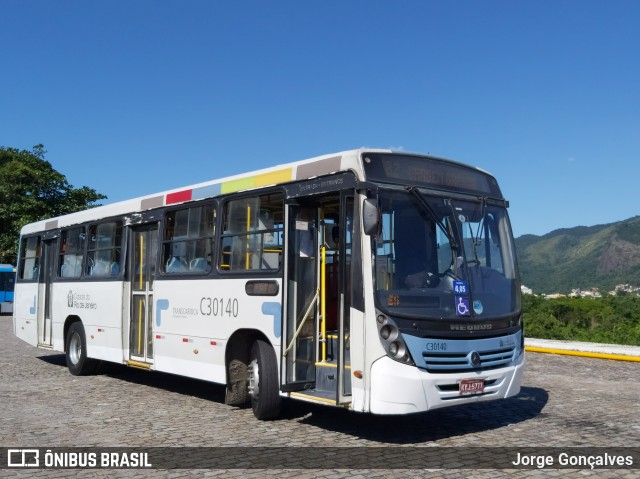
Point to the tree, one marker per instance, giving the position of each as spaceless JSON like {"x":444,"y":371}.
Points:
{"x":32,"y":190}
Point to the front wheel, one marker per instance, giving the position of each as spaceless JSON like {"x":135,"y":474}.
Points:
{"x":76,"y":352}
{"x":263,"y":381}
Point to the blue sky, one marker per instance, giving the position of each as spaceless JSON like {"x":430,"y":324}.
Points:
{"x":132,"y":98}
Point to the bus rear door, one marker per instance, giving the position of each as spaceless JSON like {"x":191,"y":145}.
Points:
{"x":44,"y":292}
{"x":142,"y":250}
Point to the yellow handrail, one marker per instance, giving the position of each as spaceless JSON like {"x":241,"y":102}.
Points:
{"x":141,"y":275}
{"x":323,"y":302}
{"x":140,"y":332}
{"x":248,"y":254}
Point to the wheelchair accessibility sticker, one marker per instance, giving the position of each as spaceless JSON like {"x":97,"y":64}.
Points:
{"x":462,"y":306}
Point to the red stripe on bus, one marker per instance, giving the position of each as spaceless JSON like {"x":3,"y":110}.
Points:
{"x":179,"y":197}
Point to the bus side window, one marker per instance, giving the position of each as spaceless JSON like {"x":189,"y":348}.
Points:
{"x":177,"y":262}
{"x":71,"y":252}
{"x":251,"y":237}
{"x":71,"y":266}
{"x":103,"y":250}
{"x":188,"y":240}
{"x":29,"y":266}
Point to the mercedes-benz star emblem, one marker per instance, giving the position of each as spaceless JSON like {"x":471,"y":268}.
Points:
{"x":475,"y":359}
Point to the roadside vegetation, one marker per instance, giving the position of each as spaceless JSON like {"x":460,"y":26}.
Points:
{"x":611,"y":319}
{"x":31,"y":189}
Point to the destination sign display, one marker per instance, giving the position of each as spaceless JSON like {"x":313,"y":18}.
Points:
{"x":322,"y":184}
{"x":428,"y":172}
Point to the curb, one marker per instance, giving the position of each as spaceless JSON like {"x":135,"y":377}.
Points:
{"x":590,"y":350}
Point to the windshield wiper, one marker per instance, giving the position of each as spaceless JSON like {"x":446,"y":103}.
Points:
{"x":422,"y":202}
{"x":475,"y":238}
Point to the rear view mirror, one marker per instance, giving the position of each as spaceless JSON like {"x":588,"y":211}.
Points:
{"x":370,"y":216}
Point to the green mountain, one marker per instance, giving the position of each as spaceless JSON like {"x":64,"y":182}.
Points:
{"x":583,"y":257}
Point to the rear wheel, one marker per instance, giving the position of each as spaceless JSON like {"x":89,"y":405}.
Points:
{"x":76,"y":351}
{"x":263,"y":381}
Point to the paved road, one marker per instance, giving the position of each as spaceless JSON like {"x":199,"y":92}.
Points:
{"x":565,"y":402}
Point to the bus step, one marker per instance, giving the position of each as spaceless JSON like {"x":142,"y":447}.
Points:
{"x":324,"y":397}
{"x":139,"y":365}
{"x":326,"y":376}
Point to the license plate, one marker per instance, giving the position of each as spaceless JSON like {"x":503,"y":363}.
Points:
{"x":471,"y":386}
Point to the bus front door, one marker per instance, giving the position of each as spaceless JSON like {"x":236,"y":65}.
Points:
{"x":315,"y":355}
{"x":144,"y":244}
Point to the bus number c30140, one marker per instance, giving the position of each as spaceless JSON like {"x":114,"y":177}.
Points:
{"x":220,"y":307}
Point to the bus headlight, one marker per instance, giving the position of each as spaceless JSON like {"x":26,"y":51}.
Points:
{"x":392,"y":341}
{"x":385,"y":332}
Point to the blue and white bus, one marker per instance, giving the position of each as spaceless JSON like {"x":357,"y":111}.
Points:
{"x":372,"y":280}
{"x":7,"y":285}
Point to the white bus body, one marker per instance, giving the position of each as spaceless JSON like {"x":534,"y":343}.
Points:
{"x":376,"y":281}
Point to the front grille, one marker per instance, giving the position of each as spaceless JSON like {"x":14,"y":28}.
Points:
{"x":461,"y":362}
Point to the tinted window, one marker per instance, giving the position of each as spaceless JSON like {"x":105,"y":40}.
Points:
{"x":252,"y":233}
{"x":71,"y":252}
{"x":188,"y":240}
{"x":29,"y":266}
{"x":104,"y":250}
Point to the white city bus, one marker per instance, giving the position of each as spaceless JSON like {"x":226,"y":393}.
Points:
{"x":372,"y":280}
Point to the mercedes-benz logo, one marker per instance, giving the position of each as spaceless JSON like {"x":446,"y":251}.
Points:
{"x":475,"y":359}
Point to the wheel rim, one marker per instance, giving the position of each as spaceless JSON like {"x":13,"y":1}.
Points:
{"x":75,"y":348}
{"x":254,"y":379}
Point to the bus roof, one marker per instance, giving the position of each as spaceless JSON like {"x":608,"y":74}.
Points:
{"x":285,"y":173}
{"x":309,"y":168}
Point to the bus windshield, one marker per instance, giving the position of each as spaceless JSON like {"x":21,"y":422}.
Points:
{"x":441,"y":258}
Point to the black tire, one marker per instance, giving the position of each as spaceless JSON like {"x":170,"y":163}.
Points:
{"x":76,"y":351}
{"x":263,"y":381}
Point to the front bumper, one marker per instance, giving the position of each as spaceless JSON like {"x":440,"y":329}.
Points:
{"x":397,"y":388}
